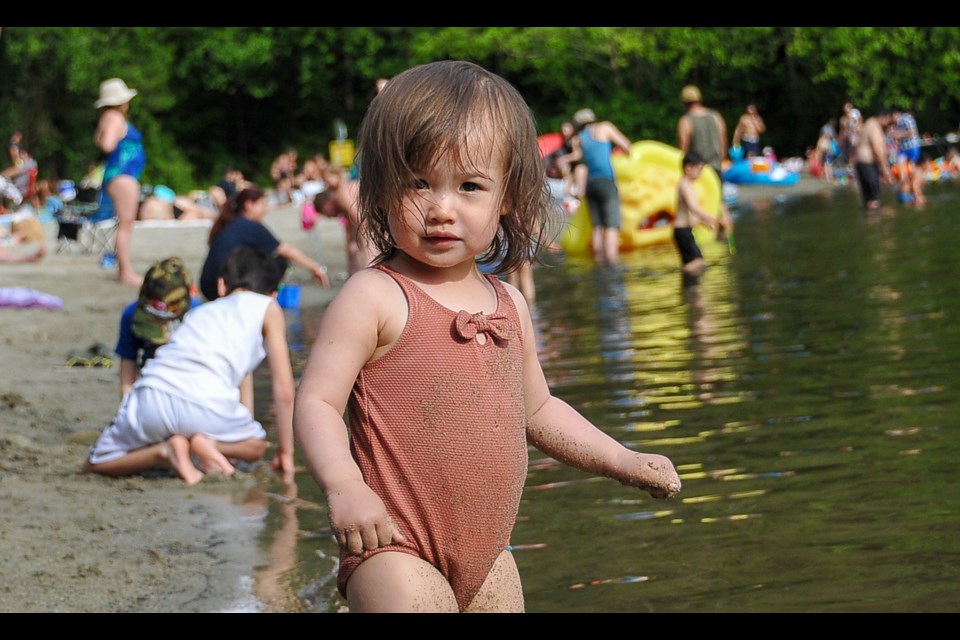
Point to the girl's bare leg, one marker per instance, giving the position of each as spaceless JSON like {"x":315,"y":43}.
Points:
{"x":125,"y":193}
{"x":501,"y":591}
{"x":173,"y":453}
{"x":209,"y":455}
{"x":397,"y":582}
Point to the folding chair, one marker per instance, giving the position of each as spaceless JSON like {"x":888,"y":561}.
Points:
{"x":87,"y":227}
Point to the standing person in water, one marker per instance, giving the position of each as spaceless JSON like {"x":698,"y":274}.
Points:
{"x":126,"y":160}
{"x":435,"y":363}
{"x":690,"y":212}
{"x":597,"y":142}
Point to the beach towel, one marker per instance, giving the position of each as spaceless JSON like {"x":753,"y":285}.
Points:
{"x":25,"y":298}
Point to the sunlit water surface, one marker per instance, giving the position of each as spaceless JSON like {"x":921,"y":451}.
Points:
{"x":806,"y":391}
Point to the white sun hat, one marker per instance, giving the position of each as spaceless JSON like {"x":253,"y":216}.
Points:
{"x":113,"y":93}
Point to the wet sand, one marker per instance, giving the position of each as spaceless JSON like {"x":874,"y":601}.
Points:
{"x":84,"y":543}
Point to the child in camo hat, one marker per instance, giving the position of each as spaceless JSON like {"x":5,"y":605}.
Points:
{"x":165,"y":297}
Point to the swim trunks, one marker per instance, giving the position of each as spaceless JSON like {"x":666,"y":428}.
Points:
{"x":751,"y":145}
{"x":686,"y":244}
{"x":868,"y":175}
{"x":603,"y":200}
{"x":911,"y":155}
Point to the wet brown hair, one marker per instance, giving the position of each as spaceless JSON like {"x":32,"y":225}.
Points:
{"x":433,"y":112}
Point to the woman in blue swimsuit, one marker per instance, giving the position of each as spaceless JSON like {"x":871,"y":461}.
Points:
{"x":125,"y":162}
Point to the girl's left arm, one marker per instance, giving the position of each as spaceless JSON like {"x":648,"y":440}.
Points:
{"x":558,"y":430}
{"x":281,"y":375}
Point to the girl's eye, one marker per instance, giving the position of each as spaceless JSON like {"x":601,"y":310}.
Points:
{"x":419,"y":184}
{"x":470,"y":186}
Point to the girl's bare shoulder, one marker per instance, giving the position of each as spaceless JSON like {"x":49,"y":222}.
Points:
{"x":371,"y":289}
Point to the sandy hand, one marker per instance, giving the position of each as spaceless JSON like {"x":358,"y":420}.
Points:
{"x":359,"y":519}
{"x":654,"y":474}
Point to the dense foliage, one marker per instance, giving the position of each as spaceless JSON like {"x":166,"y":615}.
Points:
{"x":215,"y":96}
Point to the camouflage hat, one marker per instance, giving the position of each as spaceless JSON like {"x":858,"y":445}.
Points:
{"x":164,"y":298}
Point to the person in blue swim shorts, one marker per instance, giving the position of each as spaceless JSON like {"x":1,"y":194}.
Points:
{"x":910,"y":172}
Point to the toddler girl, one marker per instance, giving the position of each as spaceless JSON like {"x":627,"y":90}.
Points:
{"x":436,"y":363}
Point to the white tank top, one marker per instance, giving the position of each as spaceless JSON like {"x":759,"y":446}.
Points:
{"x":216,"y":345}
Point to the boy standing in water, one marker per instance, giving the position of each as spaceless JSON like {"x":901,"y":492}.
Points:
{"x":689,"y":213}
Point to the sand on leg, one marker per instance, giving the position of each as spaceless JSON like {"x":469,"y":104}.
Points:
{"x":501,"y":592}
{"x":397,"y":582}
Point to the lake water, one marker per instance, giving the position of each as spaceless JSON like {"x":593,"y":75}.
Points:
{"x":806,"y":391}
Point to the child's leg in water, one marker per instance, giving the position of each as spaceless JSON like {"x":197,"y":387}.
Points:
{"x":210,"y":457}
{"x":396,"y":582}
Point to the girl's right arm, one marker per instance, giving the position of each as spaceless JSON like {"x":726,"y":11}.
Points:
{"x":348,"y":336}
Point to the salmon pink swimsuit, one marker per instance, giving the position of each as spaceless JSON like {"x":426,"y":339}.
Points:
{"x":438,"y":429}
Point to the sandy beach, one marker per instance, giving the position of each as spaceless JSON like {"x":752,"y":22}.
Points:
{"x":84,"y":543}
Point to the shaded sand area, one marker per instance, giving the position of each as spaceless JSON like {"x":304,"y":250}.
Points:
{"x":79,"y":543}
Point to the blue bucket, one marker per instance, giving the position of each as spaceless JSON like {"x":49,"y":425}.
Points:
{"x":288,"y":297}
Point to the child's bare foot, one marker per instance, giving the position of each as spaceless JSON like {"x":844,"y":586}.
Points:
{"x":210,"y":457}
{"x":656,"y":475}
{"x":130,"y":278}
{"x":176,"y":450}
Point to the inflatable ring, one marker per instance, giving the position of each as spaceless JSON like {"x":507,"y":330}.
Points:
{"x":647,"y":180}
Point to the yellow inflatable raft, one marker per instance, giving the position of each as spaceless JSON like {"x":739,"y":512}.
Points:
{"x":647,"y":179}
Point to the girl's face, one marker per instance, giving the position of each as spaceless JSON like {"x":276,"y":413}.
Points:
{"x":451,"y":214}
{"x":256,"y":209}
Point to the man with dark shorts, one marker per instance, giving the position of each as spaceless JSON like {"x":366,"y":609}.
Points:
{"x":870,"y":154}
{"x":704,"y":131}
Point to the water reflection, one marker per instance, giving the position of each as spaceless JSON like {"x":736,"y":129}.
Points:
{"x":806,"y":390}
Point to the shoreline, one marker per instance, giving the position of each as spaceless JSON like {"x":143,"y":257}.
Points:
{"x":85,"y":543}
